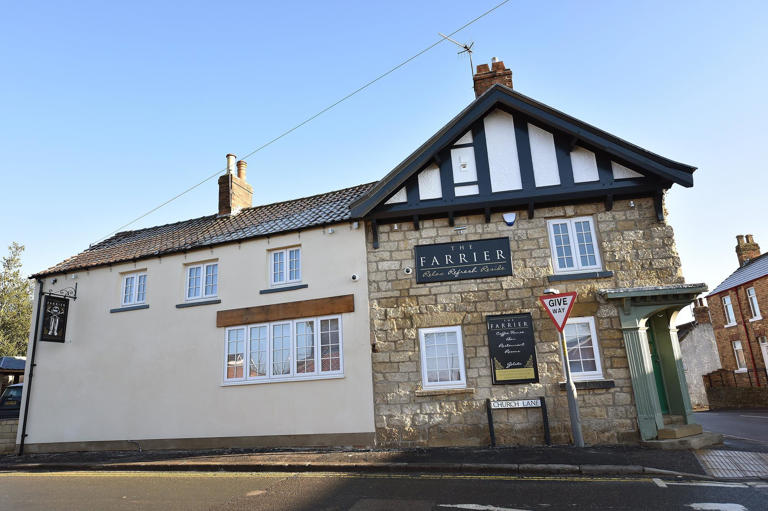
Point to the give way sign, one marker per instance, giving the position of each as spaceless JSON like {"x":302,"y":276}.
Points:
{"x":559,"y":307}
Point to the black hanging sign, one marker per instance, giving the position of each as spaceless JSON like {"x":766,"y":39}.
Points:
{"x":512,"y":349}
{"x":55,"y":310}
{"x":461,"y":260}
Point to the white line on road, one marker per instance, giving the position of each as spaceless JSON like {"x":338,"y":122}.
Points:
{"x":717,"y":506}
{"x":705,"y":483}
{"x":659,"y":482}
{"x":480,"y":507}
{"x":744,"y":438}
{"x":757,"y":416}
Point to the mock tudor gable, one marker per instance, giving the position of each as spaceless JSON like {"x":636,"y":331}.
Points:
{"x":507,"y":150}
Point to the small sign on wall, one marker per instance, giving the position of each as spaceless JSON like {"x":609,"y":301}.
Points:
{"x":54,"y":327}
{"x":462,"y":260}
{"x":512,"y":349}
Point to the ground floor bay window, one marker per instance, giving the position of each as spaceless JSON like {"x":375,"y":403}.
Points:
{"x":299,"y":349}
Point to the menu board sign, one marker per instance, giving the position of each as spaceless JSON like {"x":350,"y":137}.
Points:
{"x":512,"y":349}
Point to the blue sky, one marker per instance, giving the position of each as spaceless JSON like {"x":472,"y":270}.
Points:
{"x":111,"y":108}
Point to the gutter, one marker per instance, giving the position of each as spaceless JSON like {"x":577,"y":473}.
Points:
{"x":28,"y":381}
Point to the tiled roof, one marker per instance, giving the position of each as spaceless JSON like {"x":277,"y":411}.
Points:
{"x":326,"y":208}
{"x":12,"y":363}
{"x":754,"y":269}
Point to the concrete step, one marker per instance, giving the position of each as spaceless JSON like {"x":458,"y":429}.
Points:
{"x":673,"y":419}
{"x":700,"y":441}
{"x":679,"y":431}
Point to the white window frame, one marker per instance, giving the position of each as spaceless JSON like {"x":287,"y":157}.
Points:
{"x":754,"y":307}
{"x":286,"y":273}
{"x":730,"y":317}
{"x":739,"y":368}
{"x":459,"y":384}
{"x":203,"y":267}
{"x":133,"y":299}
{"x":585,"y":375}
{"x":576,"y":255}
{"x":293,"y":375}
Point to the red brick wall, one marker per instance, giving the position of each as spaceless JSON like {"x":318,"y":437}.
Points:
{"x":745,"y":330}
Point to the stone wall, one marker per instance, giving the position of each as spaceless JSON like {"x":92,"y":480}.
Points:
{"x":8,"y":428}
{"x":637,"y":248}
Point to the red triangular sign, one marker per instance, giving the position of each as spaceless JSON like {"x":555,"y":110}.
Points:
{"x":558,"y":307}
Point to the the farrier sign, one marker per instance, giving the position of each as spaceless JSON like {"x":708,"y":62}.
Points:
{"x":475,"y":259}
{"x":512,"y":349}
{"x":54,"y":325}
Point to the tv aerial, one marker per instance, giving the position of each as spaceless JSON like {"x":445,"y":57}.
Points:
{"x":465,"y":48}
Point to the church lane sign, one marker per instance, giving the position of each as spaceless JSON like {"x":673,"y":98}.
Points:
{"x":463,"y":260}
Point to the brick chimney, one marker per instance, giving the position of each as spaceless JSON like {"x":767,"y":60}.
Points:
{"x":486,"y":77}
{"x":234,"y":191}
{"x":701,"y":312}
{"x":746,"y":250}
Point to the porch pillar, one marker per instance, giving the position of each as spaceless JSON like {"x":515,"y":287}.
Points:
{"x":672,"y":363}
{"x":649,"y":417}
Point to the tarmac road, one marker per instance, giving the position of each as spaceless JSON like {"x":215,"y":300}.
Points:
{"x":741,"y":429}
{"x":369,"y":492}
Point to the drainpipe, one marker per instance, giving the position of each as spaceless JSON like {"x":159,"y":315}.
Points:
{"x":28,"y":381}
{"x":746,"y":333}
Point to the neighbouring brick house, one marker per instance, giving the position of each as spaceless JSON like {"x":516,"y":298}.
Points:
{"x":509,"y":198}
{"x":737,"y":307}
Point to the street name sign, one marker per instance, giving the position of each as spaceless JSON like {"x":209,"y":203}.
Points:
{"x":518,"y":403}
{"x":559,"y":307}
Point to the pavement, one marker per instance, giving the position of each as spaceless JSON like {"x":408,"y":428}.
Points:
{"x":511,"y":460}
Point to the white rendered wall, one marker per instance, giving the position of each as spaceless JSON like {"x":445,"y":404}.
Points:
{"x":584,"y":165}
{"x":429,"y":183}
{"x":503,"y":162}
{"x":622,"y":172}
{"x":545,"y":170}
{"x":157,"y":373}
{"x":398,"y":197}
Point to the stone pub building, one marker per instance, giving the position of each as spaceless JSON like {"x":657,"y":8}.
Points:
{"x":510,"y":198}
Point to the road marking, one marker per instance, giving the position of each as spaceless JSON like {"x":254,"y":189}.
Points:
{"x":706,"y":483}
{"x":339,"y":475}
{"x":659,"y":482}
{"x":717,"y":506}
{"x":745,"y":438}
{"x":758,"y":416}
{"x":480,"y":507}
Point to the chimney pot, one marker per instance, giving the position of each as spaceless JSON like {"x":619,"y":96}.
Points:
{"x":740,"y":239}
{"x":231,"y":163}
{"x":750,"y":239}
{"x":242,"y":166}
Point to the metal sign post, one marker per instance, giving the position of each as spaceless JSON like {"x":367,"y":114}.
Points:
{"x":559,"y":306}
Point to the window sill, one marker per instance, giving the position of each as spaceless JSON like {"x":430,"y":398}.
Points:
{"x":738,"y":371}
{"x":443,"y":392}
{"x":591,"y":384}
{"x":195,"y":304}
{"x":334,"y":376}
{"x":283,"y":288}
{"x":580,"y":276}
{"x":756,"y":318}
{"x":129,"y":308}
{"x":729,"y":325}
